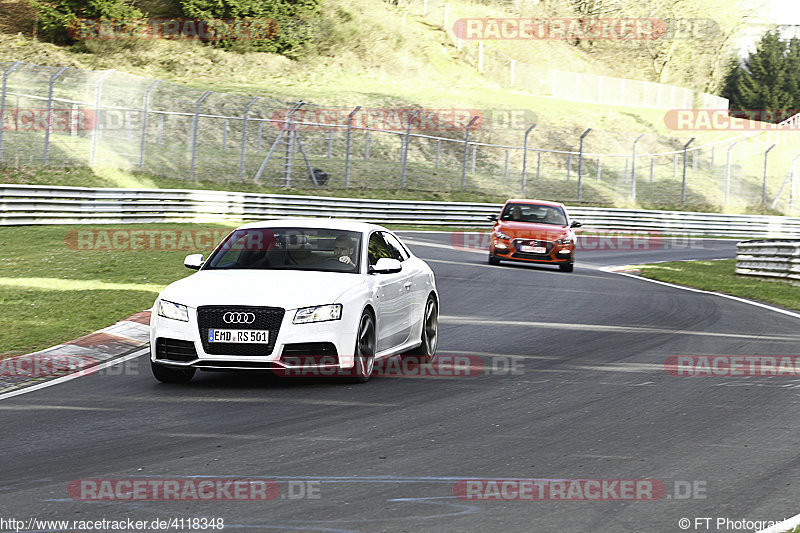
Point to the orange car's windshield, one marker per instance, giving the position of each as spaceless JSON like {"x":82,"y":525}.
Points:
{"x":539,"y":214}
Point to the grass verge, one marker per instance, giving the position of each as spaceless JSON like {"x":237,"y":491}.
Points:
{"x":51,"y":293}
{"x":719,"y":276}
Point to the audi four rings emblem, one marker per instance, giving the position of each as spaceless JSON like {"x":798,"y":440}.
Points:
{"x":239,"y":318}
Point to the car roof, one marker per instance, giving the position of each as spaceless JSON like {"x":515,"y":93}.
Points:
{"x":533,"y":202}
{"x":322,"y":223}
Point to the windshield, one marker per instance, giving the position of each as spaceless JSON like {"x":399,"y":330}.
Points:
{"x":318,"y":249}
{"x":540,"y":214}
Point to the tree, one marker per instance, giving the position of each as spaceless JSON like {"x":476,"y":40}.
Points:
{"x":764,"y":81}
{"x":792,"y":82}
{"x":294,"y":21}
{"x":55,"y":16}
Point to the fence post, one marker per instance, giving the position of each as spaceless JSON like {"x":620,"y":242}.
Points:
{"x":404,"y":159}
{"x":505,"y":168}
{"x":525,"y":159}
{"x":580,"y":164}
{"x":466,"y":152}
{"x":145,"y":110}
{"x":683,"y":181}
{"x":195,"y":127}
{"x":728,"y":172}
{"x":366,"y":145}
{"x":569,"y":165}
{"x":474,"y":157}
{"x":347,"y":146}
{"x":97,"y":132}
{"x":633,"y":168}
{"x":243,"y":150}
{"x":49,"y":128}
{"x":6,"y":74}
{"x":598,"y":169}
{"x":652,"y":163}
{"x":764,"y":181}
{"x":438,"y":152}
{"x":538,"y":165}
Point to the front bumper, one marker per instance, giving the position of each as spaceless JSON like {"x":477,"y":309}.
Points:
{"x":555,"y":253}
{"x":321,"y":345}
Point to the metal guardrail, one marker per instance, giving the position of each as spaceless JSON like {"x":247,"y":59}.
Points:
{"x":769,"y":259}
{"x":35,"y":205}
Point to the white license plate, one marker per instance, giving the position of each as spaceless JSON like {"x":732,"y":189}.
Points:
{"x":533,"y":249}
{"x":239,"y":336}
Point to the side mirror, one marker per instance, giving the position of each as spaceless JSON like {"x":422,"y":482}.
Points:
{"x":194,"y":261}
{"x":386,"y":265}
{"x":493,"y":218}
{"x":575,"y":224}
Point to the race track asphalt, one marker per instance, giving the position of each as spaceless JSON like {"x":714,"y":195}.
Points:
{"x":569,"y":384}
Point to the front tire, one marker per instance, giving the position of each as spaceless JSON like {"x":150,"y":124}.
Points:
{"x":172,"y":375}
{"x":568,"y":267}
{"x":426,"y":351}
{"x":493,"y":260}
{"x":364,"y":353}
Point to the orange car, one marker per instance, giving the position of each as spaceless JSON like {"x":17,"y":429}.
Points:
{"x":533,"y":231}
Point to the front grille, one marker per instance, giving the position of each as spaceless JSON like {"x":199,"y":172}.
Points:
{"x":175,"y":350}
{"x":310,"y":354}
{"x":210,"y":317}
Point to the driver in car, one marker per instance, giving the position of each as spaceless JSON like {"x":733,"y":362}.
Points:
{"x":344,"y":248}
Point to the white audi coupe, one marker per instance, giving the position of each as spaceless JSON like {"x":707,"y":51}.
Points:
{"x":298,"y":297}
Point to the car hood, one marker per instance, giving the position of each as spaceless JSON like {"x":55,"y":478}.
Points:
{"x":529,"y":230}
{"x":276,"y":288}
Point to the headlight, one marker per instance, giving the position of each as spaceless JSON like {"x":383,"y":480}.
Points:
{"x":319,"y":313}
{"x":173,"y":310}
{"x":501,"y":235}
{"x":564,"y":241}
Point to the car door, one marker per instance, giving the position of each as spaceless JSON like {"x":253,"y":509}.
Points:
{"x":415,"y":285}
{"x":393,"y":301}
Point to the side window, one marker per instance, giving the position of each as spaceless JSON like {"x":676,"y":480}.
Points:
{"x":378,"y":248}
{"x":402,"y":255}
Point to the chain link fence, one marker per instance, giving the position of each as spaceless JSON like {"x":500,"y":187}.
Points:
{"x":68,"y":117}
